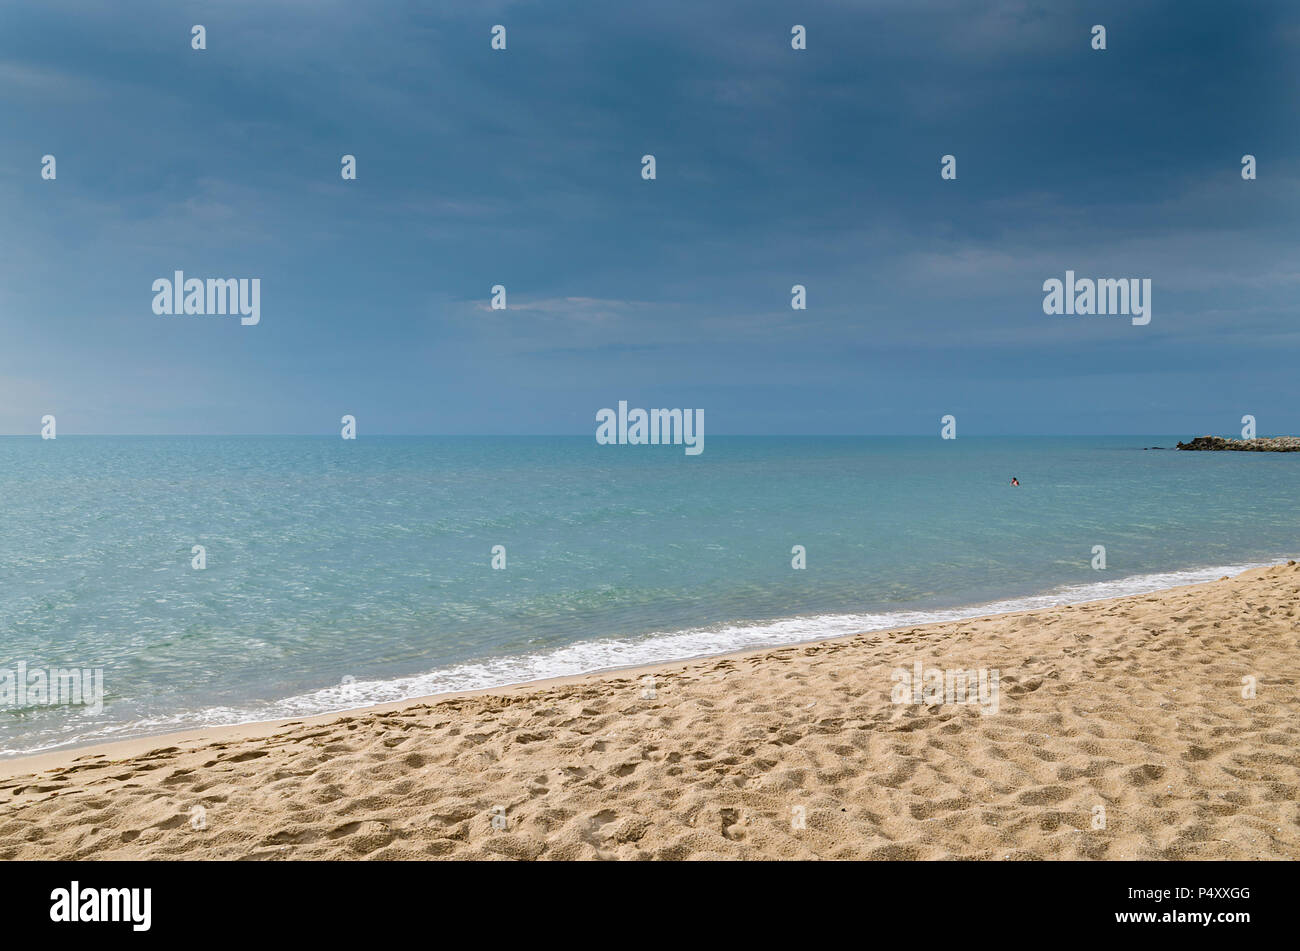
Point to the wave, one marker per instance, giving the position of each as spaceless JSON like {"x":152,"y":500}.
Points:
{"x":613,"y":653}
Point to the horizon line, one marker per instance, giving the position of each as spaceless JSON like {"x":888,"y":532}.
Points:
{"x":335,"y":435}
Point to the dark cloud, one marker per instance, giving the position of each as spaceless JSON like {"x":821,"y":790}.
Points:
{"x":775,"y":167}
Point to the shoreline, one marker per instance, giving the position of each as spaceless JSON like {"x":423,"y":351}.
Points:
{"x":124,"y":749}
{"x":25,"y":764}
{"x":1155,"y":726}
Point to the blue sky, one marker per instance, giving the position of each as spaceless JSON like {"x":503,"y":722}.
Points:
{"x":775,"y":167}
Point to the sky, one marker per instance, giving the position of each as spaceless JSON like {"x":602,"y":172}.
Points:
{"x":774,"y":167}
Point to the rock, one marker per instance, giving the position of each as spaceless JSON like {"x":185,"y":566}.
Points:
{"x":1263,"y":444}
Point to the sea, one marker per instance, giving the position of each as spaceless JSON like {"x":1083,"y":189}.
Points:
{"x":335,"y":574}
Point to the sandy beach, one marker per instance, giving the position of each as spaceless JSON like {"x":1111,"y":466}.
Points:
{"x":1120,"y":729}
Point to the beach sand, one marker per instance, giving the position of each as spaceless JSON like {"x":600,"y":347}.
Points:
{"x":1134,"y":705}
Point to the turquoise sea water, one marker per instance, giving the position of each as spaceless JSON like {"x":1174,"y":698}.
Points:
{"x":342,"y":573}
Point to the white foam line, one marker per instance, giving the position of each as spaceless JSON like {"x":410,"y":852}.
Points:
{"x":603,"y":654}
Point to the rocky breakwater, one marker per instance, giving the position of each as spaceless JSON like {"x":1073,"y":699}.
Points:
{"x":1219,"y":444}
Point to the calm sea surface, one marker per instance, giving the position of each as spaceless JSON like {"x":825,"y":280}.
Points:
{"x":342,"y":573}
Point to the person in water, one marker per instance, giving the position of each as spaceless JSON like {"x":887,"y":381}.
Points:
{"x":1015,"y":481}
